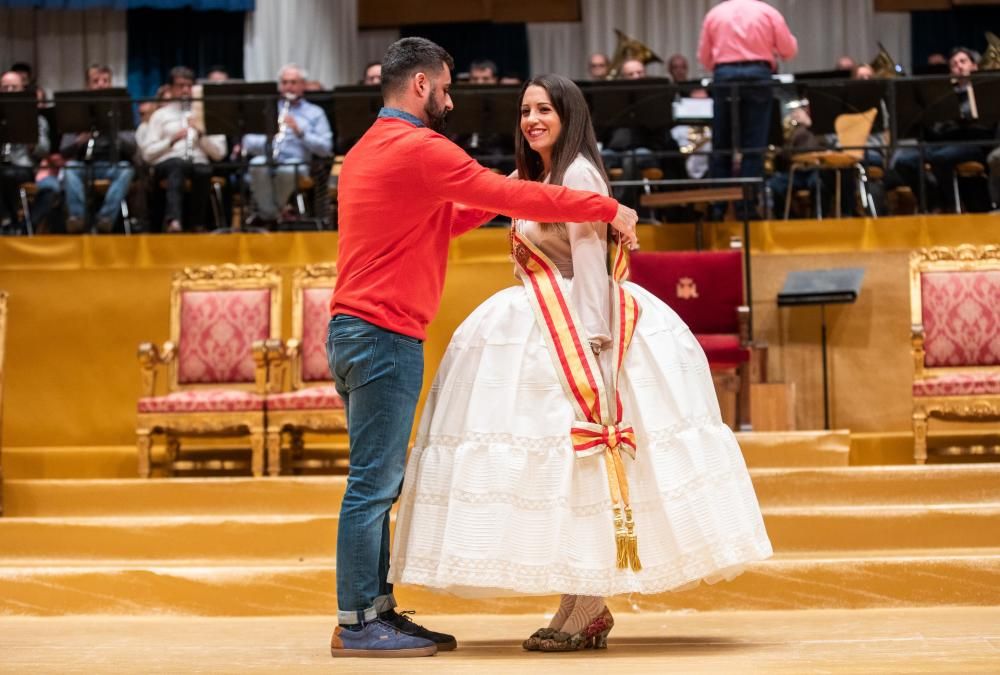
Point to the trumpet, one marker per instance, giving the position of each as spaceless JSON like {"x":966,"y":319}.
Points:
{"x":286,"y":104}
{"x":697,"y":136}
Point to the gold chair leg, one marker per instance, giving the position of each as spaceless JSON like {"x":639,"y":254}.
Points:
{"x":919,"y":436}
{"x":273,"y":451}
{"x":144,"y":446}
{"x":257,"y":452}
{"x":173,"y":452}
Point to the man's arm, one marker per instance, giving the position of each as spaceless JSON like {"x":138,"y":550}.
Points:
{"x":465,"y":219}
{"x":785,"y":43}
{"x":705,"y":46}
{"x":451,"y":175}
{"x":317,"y":136}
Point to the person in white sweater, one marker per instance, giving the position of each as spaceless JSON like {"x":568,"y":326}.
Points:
{"x":174,"y":143}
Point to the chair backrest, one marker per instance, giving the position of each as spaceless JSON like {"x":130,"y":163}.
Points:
{"x":853,"y":130}
{"x":705,"y":288}
{"x":217,"y":312}
{"x":955,"y":298}
{"x":312,"y":288}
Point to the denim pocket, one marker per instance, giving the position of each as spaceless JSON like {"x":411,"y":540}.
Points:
{"x":353,"y":359}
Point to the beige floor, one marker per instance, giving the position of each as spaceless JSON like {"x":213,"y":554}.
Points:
{"x":940,"y":640}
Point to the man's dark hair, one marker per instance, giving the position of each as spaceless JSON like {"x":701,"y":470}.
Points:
{"x":22,"y":67}
{"x":217,"y":68}
{"x":484,"y":64}
{"x":180,"y":73}
{"x":99,"y":67}
{"x":971,"y":53}
{"x":408,"y":56}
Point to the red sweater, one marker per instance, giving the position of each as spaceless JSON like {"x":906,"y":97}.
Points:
{"x":397,"y":210}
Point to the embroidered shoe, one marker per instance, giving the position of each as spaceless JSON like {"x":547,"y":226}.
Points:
{"x":401,"y":622}
{"x":378,"y":639}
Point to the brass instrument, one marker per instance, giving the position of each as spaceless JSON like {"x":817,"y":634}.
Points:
{"x":991,"y":57}
{"x":796,"y":114}
{"x":884,"y":65}
{"x":630,"y":48}
{"x":286,"y":104}
{"x":698,"y":135}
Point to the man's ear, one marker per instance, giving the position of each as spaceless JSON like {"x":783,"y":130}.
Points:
{"x":420,"y":84}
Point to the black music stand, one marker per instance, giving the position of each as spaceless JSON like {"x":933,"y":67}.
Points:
{"x":18,"y":118}
{"x":234,"y":109}
{"x":98,"y":112}
{"x":830,"y":100}
{"x":645,"y":104}
{"x":822,"y":287}
{"x":354,"y":109}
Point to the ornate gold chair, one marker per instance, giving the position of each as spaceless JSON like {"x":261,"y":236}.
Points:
{"x":311,"y":402}
{"x":216,"y":380}
{"x":955,"y":317}
{"x":3,"y":336}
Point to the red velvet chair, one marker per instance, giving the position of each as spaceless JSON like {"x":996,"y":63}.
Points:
{"x":705,"y":288}
{"x":955,"y":321}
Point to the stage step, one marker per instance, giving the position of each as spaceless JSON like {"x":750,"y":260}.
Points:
{"x":890,"y":485}
{"x":304,"y":537}
{"x":801,"y":581}
{"x":761,"y":449}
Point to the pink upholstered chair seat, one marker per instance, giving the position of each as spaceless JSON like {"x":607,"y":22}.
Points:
{"x":309,"y":398}
{"x":959,"y":384}
{"x":723,"y":351}
{"x":961,"y":318}
{"x":202,"y":401}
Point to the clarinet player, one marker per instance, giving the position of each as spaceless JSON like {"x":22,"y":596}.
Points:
{"x":303,"y":133}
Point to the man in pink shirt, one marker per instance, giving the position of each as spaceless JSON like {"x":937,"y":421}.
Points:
{"x":740,"y":41}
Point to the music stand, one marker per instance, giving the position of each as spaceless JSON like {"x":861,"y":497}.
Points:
{"x":355,"y":109}
{"x":18,"y":118}
{"x":234,"y":109}
{"x":829,"y":101}
{"x":645,"y":104}
{"x":822,"y":287}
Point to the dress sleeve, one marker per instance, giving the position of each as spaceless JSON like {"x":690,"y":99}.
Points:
{"x":588,"y":246}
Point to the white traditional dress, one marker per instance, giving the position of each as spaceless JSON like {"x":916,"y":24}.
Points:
{"x":498,"y":500}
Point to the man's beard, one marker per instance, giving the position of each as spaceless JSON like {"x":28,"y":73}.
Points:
{"x":436,"y":116}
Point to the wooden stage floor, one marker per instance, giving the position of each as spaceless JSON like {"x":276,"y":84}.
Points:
{"x":925,"y":640}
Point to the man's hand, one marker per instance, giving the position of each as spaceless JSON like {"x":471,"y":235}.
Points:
{"x":292,"y":125}
{"x":624,"y":222}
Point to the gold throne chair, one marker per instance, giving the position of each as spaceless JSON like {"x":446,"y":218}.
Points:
{"x":955,"y":317}
{"x":216,"y":380}
{"x":310,"y":402}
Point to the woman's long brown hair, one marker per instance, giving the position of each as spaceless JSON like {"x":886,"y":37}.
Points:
{"x":576,"y":138}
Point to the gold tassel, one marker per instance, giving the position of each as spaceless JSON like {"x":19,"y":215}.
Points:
{"x":621,"y":539}
{"x":632,"y":543}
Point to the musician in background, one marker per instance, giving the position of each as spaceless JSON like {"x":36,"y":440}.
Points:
{"x":677,"y":66}
{"x":107,"y":158}
{"x":483,"y":71}
{"x":598,"y":66}
{"x":943,"y":158}
{"x":303,"y":133}
{"x":373,"y":74}
{"x":175,"y":144}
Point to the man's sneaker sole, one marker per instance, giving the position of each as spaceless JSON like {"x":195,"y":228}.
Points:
{"x":430,"y":650}
{"x":447,"y":646}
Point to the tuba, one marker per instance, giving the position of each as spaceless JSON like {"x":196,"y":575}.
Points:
{"x":991,"y":57}
{"x":630,"y":48}
{"x":884,"y":65}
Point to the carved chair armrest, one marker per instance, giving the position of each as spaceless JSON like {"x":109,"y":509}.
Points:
{"x":151,"y":358}
{"x":917,"y":346}
{"x":268,"y":359}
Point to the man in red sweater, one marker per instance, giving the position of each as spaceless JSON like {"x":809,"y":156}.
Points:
{"x":405,"y":190}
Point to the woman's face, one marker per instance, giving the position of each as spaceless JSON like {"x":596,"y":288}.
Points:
{"x":540,"y":123}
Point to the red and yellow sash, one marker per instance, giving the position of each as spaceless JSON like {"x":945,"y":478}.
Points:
{"x":598,"y":427}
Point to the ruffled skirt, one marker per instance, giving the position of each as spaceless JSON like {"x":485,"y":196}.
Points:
{"x":494,"y":501}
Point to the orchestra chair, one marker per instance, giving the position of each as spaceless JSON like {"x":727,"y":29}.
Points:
{"x":706,"y":289}
{"x":301,"y":394}
{"x":852,"y":130}
{"x":955,"y":320}
{"x":216,"y":381}
{"x":965,"y":170}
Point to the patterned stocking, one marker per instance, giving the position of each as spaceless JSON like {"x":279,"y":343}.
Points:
{"x":585,"y":610}
{"x":566,"y":604}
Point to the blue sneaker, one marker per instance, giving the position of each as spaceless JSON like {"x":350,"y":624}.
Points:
{"x":378,"y":639}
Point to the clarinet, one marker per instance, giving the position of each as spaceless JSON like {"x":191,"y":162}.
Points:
{"x":279,"y":137}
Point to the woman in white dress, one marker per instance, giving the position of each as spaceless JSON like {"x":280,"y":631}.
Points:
{"x":500,"y":499}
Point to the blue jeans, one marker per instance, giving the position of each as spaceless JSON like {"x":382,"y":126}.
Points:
{"x":378,"y":373}
{"x":754,"y":117}
{"x":75,"y":179}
